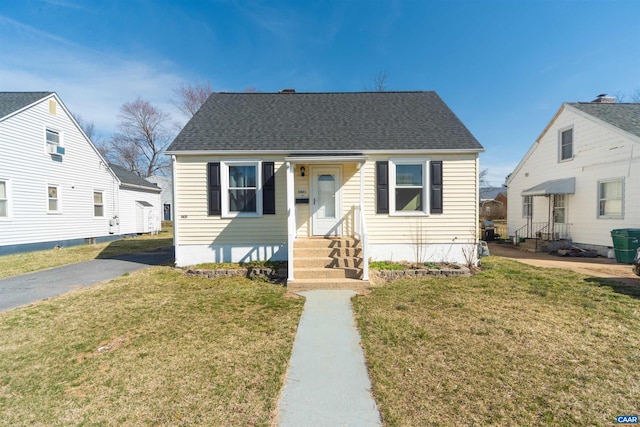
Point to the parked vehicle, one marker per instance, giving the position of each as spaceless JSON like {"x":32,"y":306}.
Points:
{"x":636,"y":263}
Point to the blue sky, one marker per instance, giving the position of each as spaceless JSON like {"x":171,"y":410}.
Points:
{"x":504,"y":67}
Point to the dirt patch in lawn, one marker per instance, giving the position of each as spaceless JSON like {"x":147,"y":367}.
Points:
{"x":599,"y":267}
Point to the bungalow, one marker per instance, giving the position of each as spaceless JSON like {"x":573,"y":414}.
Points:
{"x":369,"y":176}
{"x":579,"y":180}
{"x":55,"y":187}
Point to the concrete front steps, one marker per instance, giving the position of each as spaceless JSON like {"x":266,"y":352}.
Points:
{"x":327,"y":263}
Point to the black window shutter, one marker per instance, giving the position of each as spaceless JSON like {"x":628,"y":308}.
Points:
{"x":268,"y":188}
{"x":382,"y":188}
{"x":214,"y":188}
{"x":436,"y":187}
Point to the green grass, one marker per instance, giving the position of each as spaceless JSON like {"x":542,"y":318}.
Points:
{"x":12,"y":265}
{"x":154,"y":348}
{"x":513,"y":345}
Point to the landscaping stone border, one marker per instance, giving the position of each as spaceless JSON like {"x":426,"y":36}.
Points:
{"x":250,"y":273}
{"x":401,"y":274}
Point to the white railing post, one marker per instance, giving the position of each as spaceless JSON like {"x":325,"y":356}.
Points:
{"x":362,"y":229}
{"x":291,"y":226}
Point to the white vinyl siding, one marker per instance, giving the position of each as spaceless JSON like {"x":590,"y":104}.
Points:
{"x":611,"y":198}
{"x":29,"y":173}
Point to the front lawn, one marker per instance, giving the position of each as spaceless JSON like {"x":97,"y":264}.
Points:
{"x":152,"y":348}
{"x":513,"y":345}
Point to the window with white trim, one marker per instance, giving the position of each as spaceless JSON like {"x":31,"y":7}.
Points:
{"x":241,"y":188}
{"x":53,"y":198}
{"x":611,"y":198}
{"x":527,"y":206}
{"x":4,"y":198}
{"x":408,"y":186}
{"x":566,"y":145}
{"x":98,"y":203}
{"x":53,"y":137}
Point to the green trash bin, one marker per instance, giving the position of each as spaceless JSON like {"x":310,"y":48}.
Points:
{"x":626,"y":242}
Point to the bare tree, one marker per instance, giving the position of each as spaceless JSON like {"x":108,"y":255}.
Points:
{"x":89,"y":128}
{"x":378,"y":82}
{"x":144,"y":132}
{"x":482,"y":178}
{"x":189,"y":98}
{"x":635,"y":97}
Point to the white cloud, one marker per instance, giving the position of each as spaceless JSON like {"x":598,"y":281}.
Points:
{"x":92,"y":84}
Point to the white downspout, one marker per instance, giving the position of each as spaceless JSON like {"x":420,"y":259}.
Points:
{"x":174,"y":206}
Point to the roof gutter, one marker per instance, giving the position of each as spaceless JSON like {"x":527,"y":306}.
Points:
{"x":317,"y":153}
{"x":141,"y":187}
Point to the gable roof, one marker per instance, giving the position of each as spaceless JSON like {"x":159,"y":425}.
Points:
{"x":10,"y":102}
{"x":130,"y":179}
{"x":623,"y":116}
{"x":317,"y":122}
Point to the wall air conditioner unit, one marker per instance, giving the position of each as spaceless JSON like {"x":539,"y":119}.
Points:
{"x":55,"y":149}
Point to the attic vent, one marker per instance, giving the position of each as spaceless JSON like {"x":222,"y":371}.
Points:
{"x":52,"y":107}
{"x":287,"y":91}
{"x":604,"y":99}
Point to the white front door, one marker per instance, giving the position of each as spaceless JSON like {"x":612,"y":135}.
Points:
{"x":326,"y":203}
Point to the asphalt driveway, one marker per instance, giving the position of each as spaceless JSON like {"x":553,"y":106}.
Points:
{"x":32,"y":287}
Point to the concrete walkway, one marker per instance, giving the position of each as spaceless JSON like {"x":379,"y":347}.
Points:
{"x":327,"y":382}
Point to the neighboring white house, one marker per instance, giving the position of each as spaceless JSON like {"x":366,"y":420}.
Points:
{"x":256,"y":174}
{"x":140,"y":206}
{"x":581,"y":178}
{"x":55,"y":188}
{"x":166,"y":196}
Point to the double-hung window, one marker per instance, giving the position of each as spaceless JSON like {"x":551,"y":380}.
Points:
{"x":53,"y":198}
{"x":566,"y":145}
{"x":241,"y":188}
{"x":408,"y":186}
{"x":611,"y":198}
{"x":98,"y":203}
{"x":4,"y":198}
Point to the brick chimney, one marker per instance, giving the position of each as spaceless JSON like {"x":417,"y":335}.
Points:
{"x":604,"y":99}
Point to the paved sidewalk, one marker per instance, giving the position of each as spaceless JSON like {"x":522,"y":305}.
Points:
{"x":327,"y":382}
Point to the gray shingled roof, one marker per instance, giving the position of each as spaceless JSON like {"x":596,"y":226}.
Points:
{"x":127,"y":177}
{"x":13,"y":101}
{"x":623,"y":116}
{"x":346,"y":122}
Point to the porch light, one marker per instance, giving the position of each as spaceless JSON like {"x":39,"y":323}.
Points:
{"x":302,"y":170}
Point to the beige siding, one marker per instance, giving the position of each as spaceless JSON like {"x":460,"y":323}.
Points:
{"x":600,"y":152}
{"x":195,"y":226}
{"x":457,"y":223}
